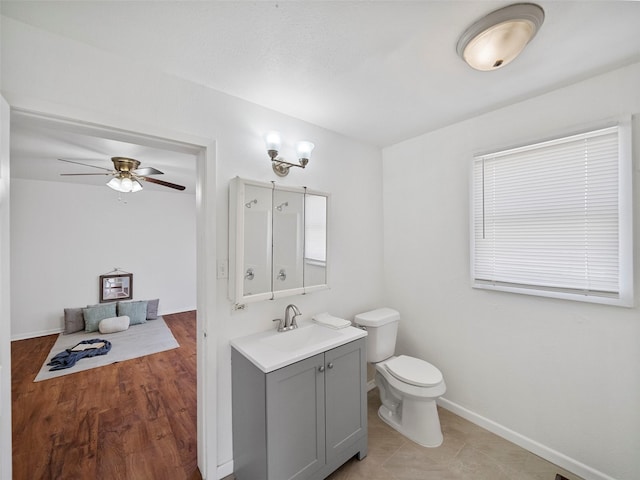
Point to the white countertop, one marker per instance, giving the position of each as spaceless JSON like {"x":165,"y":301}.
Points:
{"x":272,"y":350}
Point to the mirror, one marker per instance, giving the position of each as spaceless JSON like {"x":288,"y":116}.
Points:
{"x":315,"y":240}
{"x":288,"y":239}
{"x":257,"y":222}
{"x":277,"y":241}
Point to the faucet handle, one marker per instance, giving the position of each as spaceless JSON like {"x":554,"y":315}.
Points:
{"x":280,"y":324}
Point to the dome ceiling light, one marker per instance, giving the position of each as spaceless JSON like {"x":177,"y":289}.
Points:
{"x":498,"y":38}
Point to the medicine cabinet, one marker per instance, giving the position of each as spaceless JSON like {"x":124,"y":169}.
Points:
{"x":277,"y":240}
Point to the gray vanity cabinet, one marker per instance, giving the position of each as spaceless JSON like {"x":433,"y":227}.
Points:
{"x":302,"y":421}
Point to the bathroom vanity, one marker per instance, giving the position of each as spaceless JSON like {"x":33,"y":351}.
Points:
{"x":299,"y":402}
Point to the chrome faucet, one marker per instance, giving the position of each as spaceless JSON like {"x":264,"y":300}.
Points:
{"x":290,"y":322}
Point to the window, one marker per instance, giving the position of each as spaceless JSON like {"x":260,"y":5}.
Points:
{"x":554,"y":218}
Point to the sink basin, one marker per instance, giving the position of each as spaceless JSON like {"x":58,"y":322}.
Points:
{"x":272,"y":350}
{"x":300,"y":338}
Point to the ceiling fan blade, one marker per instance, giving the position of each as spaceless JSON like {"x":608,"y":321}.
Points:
{"x":85,"y":164}
{"x":162,"y":182}
{"x":76,"y":174}
{"x":147,"y":171}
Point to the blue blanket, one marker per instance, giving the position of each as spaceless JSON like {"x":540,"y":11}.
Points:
{"x":69,"y":357}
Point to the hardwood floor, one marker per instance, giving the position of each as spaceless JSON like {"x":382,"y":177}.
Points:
{"x":131,"y":420}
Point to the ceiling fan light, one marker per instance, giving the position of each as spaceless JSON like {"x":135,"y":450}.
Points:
{"x":497,"y":39}
{"x":115,"y":183}
{"x":126,"y":185}
{"x":136,"y":187}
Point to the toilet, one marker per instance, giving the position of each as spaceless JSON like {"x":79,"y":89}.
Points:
{"x":408,"y":386}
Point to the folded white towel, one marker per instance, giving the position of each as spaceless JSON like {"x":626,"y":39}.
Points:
{"x":330,"y":321}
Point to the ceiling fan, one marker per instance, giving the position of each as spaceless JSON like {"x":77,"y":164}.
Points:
{"x":127,"y":176}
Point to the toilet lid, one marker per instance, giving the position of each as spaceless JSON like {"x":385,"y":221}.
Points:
{"x":414,"y":371}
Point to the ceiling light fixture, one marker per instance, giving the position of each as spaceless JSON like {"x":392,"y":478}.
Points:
{"x":124,"y":183}
{"x":497,"y":39}
{"x":280,"y":167}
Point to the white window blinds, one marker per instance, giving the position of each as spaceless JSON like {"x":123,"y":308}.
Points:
{"x":546,"y":218}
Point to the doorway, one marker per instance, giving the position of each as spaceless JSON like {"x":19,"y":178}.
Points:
{"x":88,"y":139}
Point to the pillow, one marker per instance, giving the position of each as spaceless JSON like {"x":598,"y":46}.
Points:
{"x":95,"y":313}
{"x":152,"y":309}
{"x":113,"y":324}
{"x":136,"y":311}
{"x":73,"y":320}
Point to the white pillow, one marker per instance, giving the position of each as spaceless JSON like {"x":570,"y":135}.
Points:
{"x":114,"y":324}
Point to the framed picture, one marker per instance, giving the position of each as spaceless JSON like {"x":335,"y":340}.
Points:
{"x":116,"y":287}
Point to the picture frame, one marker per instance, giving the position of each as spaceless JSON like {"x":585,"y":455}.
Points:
{"x":116,"y":287}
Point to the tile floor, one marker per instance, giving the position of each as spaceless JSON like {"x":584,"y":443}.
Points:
{"x":468,"y":453}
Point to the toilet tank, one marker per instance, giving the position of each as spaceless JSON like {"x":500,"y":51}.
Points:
{"x":382,"y":327}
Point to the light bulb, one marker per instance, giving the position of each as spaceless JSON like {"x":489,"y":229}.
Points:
{"x":115,"y":184}
{"x":304,"y":149}
{"x":272,"y":140}
{"x":498,"y":45}
{"x":126,"y":185}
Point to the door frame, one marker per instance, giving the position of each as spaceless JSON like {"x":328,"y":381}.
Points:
{"x":5,"y":297}
{"x":205,"y":151}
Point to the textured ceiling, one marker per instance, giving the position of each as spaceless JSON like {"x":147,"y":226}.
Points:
{"x":380,"y":72}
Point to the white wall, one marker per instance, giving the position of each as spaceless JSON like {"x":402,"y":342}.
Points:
{"x":64,"y":236}
{"x":82,"y":82}
{"x":561,"y":373}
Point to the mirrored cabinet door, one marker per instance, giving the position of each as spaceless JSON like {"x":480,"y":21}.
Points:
{"x":257,"y":240}
{"x":288,"y":241}
{"x":250,"y":228}
{"x":315,"y":241}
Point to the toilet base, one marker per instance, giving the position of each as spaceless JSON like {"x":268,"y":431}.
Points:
{"x":426,"y":432}
{"x":410,"y":409}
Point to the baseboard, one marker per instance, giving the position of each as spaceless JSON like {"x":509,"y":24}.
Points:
{"x":42,"y":333}
{"x":553,"y":456}
{"x":371,"y":384}
{"x":224,"y":470}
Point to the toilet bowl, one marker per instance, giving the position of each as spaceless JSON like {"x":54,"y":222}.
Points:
{"x":408,"y":386}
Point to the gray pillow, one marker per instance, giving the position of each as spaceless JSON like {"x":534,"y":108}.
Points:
{"x":95,"y":313}
{"x":152,"y":309}
{"x":136,"y":311}
{"x":73,"y":320}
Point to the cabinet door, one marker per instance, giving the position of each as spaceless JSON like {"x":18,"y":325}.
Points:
{"x":295,"y":420}
{"x":288,"y":242}
{"x":345,"y":393}
{"x":257,"y":237}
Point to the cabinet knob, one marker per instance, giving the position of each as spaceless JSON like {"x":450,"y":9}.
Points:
{"x":321,"y":368}
{"x":330,"y":365}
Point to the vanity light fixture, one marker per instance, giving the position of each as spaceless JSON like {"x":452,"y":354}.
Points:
{"x":498,"y":38}
{"x":280,"y":167}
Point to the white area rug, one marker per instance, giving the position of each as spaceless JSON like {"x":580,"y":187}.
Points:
{"x":137,"y":341}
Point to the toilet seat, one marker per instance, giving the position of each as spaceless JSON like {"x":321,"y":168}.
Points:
{"x":414,"y":371}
